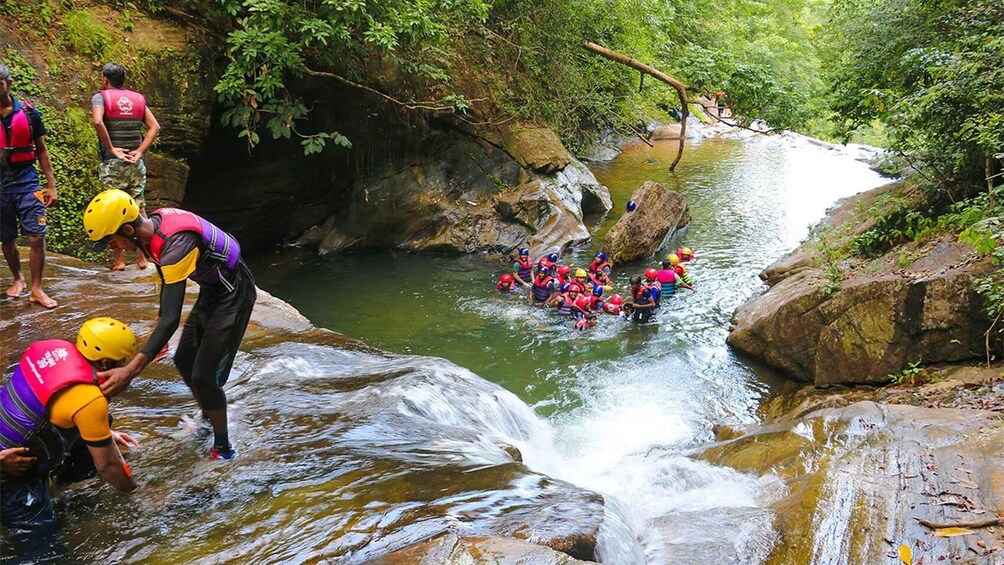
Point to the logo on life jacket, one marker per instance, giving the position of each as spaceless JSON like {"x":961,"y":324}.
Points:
{"x":125,"y":105}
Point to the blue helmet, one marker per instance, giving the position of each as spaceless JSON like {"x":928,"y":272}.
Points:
{"x":631,"y":205}
{"x":553,"y":257}
{"x":565,"y":287}
{"x":597,"y":290}
{"x":601,"y":256}
{"x":524,"y":251}
{"x":542,"y":269}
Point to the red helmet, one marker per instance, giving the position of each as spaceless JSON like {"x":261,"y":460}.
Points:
{"x":507,"y":279}
{"x":583,"y":302}
{"x":616,"y":300}
{"x":564,"y":270}
{"x":651,"y":274}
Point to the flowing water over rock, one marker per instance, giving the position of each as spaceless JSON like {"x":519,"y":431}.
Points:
{"x":624,"y":404}
{"x":583,"y":442}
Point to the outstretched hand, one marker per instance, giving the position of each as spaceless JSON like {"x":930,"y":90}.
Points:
{"x":124,"y":440}
{"x":114,"y":381}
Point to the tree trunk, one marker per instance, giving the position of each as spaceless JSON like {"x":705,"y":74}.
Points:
{"x":647,"y":69}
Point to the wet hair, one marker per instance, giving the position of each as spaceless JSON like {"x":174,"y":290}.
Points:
{"x":4,"y":73}
{"x":115,"y":73}
{"x":666,"y":264}
{"x":636,"y":280}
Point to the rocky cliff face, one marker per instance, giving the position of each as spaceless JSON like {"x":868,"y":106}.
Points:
{"x":915,"y":304}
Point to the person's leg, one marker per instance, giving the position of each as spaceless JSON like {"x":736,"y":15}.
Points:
{"x":8,"y":235}
{"x":31,"y":215}
{"x":216,"y":353}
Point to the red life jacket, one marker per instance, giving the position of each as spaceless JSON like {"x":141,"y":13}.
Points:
{"x":220,"y":253}
{"x":595,"y":267}
{"x":124,"y":112}
{"x":20,"y":147}
{"x":595,"y":303}
{"x":50,"y":366}
{"x":612,"y":308}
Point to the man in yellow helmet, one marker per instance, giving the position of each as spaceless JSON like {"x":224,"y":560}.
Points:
{"x":54,"y":420}
{"x":183,"y":246}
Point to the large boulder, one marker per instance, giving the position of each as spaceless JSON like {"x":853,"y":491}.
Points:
{"x":434,"y":206}
{"x":859,"y":478}
{"x":537,"y":149}
{"x":881,"y":317}
{"x":639,"y":234}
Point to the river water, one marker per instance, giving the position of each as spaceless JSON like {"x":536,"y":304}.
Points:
{"x":622,"y":404}
{"x":347,"y":452}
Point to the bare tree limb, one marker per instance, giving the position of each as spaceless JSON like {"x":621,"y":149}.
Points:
{"x":681,"y":90}
{"x":429,"y":106}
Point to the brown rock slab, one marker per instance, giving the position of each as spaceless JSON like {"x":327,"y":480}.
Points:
{"x":449,"y":549}
{"x":641,"y":233}
{"x":859,"y":476}
{"x":538,"y":149}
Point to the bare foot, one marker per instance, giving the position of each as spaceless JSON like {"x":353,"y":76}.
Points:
{"x":40,"y":297}
{"x":141,"y":261}
{"x":16,"y":288}
{"x":119,"y":266}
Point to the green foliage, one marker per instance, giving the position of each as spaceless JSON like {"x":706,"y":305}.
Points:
{"x":828,"y":257}
{"x":33,"y":16}
{"x":275,"y":43}
{"x":86,"y":35}
{"x":73,"y":150}
{"x":932,"y":72}
{"x":912,"y":374}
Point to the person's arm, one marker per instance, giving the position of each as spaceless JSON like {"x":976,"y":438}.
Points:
{"x":98,"y":120}
{"x":172,"y":298}
{"x":45,"y":162}
{"x":111,"y":467}
{"x":152,"y":128}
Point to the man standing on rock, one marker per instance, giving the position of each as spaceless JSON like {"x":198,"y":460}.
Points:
{"x":117,"y":115}
{"x":22,"y":199}
{"x":183,"y":246}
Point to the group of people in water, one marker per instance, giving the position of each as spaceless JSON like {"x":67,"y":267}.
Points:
{"x":579,"y":295}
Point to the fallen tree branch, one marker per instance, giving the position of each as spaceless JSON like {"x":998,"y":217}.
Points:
{"x":681,"y":90}
{"x":971,"y":525}
{"x":409,"y":105}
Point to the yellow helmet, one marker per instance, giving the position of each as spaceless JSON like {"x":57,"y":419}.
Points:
{"x":687,"y":252}
{"x":674,"y":260}
{"x":107,"y":212}
{"x":579,"y":273}
{"x":106,"y":338}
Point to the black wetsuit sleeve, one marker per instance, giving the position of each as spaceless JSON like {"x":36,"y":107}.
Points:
{"x":172,"y":298}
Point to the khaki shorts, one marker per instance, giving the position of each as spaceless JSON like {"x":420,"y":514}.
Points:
{"x":129,"y":177}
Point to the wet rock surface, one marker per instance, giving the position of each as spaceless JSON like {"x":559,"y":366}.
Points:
{"x":347,"y":453}
{"x":881,"y":317}
{"x":639,"y":234}
{"x":861,"y":476}
{"x":537,"y":149}
{"x":453,"y":550}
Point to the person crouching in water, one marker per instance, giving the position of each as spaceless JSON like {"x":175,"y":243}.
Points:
{"x":669,"y":280}
{"x":522,"y":268}
{"x":652,"y":284}
{"x":564,"y":301}
{"x":544,"y":285}
{"x":54,"y":421}
{"x":641,"y":307}
{"x":507,"y":286}
{"x":583,"y":314}
{"x":682,"y":276}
